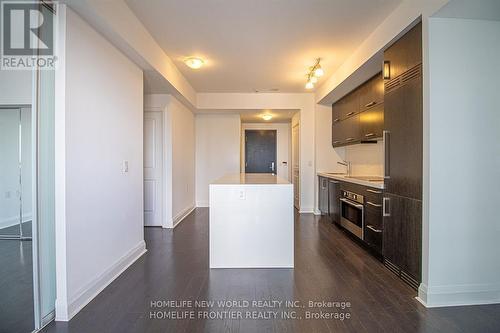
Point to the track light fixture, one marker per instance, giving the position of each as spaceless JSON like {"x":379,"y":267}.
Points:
{"x":314,"y":73}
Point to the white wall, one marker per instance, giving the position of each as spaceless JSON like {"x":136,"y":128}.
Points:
{"x":326,"y":156}
{"x":283,"y":145}
{"x":183,"y":159}
{"x":366,"y":159}
{"x":461,"y":264}
{"x":15,"y":87}
{"x":99,"y":208}
{"x":284,"y":101}
{"x":179,"y":156}
{"x":217,"y":150}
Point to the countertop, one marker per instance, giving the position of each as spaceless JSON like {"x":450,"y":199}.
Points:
{"x":250,"y":179}
{"x":370,"y":181}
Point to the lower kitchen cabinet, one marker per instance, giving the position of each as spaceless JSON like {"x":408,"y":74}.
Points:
{"x":334,"y":200}
{"x":402,"y":237}
{"x":373,"y":227}
{"x":323,"y":195}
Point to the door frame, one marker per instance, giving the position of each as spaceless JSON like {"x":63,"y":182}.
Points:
{"x":297,"y":184}
{"x":245,"y":147}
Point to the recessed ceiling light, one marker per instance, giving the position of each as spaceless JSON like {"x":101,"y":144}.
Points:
{"x":267,"y":117}
{"x":194,"y":62}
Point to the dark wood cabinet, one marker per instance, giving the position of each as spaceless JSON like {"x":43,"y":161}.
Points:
{"x":402,"y":237}
{"x":346,"y":132}
{"x":334,"y":200}
{"x":371,"y":93}
{"x":336,"y":112}
{"x":338,"y":133}
{"x":350,"y":105}
{"x":359,"y":116}
{"x":403,"y":123}
{"x":371,"y":122}
{"x":373,"y":228}
{"x":323,"y":195}
{"x":405,"y":53}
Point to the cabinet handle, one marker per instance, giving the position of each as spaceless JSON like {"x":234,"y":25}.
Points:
{"x":350,"y":113}
{"x":333,"y":182}
{"x":373,"y":191}
{"x":373,"y":204}
{"x":373,"y":229}
{"x":349,"y":139}
{"x":334,"y":142}
{"x":386,"y":206}
{"x":336,"y":120}
{"x":370,"y":104}
{"x":369,"y":134}
{"x":387,"y":151}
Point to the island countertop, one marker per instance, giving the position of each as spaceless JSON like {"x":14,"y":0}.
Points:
{"x":250,"y":179}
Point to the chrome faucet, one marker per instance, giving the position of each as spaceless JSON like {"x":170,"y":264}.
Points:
{"x":347,"y":165}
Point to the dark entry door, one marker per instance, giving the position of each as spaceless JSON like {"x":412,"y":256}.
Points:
{"x":260,"y":151}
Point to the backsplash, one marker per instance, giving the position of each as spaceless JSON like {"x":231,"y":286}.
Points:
{"x":366,"y":159}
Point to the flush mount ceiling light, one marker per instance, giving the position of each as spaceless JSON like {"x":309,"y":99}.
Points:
{"x":194,"y":62}
{"x":314,"y":73}
{"x":267,"y":117}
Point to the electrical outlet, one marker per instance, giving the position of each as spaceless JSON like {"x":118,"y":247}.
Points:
{"x":125,"y":166}
{"x":242,"y":194}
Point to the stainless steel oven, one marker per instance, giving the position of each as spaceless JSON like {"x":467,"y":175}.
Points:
{"x":352,"y":212}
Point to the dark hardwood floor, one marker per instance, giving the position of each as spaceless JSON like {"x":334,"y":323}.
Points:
{"x":328,"y":266}
{"x":16,"y":282}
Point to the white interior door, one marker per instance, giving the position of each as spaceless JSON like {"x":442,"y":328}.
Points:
{"x":153,"y":168}
{"x":296,"y":166}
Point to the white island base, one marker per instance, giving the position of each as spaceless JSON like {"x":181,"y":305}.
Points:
{"x":251,"y":222}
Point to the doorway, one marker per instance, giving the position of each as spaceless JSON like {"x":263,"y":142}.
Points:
{"x":260,"y":151}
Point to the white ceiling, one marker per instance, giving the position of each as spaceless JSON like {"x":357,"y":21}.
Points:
{"x":259,"y":44}
{"x":255,"y":116}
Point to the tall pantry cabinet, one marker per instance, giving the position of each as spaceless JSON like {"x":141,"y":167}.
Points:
{"x":402,"y":202}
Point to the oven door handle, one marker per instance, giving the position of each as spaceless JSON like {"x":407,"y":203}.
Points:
{"x":349,"y":202}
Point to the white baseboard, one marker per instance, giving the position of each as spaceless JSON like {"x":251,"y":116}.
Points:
{"x":94,"y":287}
{"x":182,"y":215}
{"x":306,"y":210}
{"x":202,"y":204}
{"x":458,"y":295}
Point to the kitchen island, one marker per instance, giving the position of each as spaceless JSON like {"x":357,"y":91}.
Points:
{"x":251,"y":222}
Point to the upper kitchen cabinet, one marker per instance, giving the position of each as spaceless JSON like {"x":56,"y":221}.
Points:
{"x":346,"y":132}
{"x":350,"y":105}
{"x":406,"y":53}
{"x":371,"y":122}
{"x":359,"y":116}
{"x":371,"y":93}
